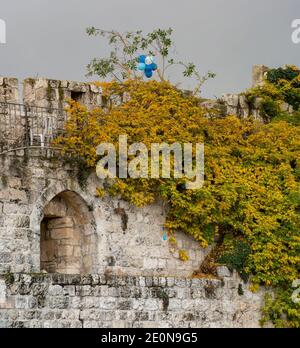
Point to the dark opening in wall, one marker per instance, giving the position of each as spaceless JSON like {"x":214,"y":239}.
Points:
{"x":68,"y":236}
{"x":77,"y":96}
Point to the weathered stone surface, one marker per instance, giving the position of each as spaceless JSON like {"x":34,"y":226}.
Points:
{"x":91,"y":270}
{"x":231,"y":100}
{"x":136,"y":277}
{"x":61,"y":223}
{"x":39,"y":297}
{"x":285,"y":107}
{"x":9,"y":90}
{"x":55,"y":93}
{"x":223,"y":271}
{"x":140,"y":248}
{"x":258,"y":75}
{"x":56,"y":208}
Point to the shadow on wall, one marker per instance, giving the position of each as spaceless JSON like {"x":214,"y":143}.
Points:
{"x":68,"y":236}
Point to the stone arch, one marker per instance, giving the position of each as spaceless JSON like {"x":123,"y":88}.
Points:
{"x":67,"y":235}
{"x":64,"y":230}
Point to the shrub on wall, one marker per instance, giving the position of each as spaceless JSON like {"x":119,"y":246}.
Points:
{"x":251,"y":192}
{"x":281,"y":85}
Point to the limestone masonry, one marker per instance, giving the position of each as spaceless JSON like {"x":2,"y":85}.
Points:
{"x":71,"y":259}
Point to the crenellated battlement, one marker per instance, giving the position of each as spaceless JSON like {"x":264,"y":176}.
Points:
{"x":39,"y":115}
{"x":56,"y":93}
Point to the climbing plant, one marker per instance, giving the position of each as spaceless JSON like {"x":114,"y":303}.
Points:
{"x":281,"y":87}
{"x":248,"y":208}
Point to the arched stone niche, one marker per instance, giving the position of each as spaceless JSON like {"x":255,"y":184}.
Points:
{"x":67,"y":236}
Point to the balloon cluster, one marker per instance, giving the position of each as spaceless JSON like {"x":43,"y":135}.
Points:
{"x":147,"y":64}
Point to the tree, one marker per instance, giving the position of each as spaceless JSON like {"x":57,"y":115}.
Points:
{"x":121,"y":64}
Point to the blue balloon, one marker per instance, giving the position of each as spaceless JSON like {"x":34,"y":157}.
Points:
{"x":141,"y":66}
{"x":148,"y":67}
{"x":148,"y":73}
{"x":142,"y":58}
{"x":154,"y":66}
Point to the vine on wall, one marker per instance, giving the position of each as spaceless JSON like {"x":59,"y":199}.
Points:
{"x":281,"y":87}
{"x":250,"y":202}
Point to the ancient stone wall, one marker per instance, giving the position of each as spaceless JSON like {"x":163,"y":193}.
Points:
{"x":71,"y":259}
{"x":138,"y":279}
{"x":9,"y":90}
{"x":11,"y":126}
{"x":55,"y":93}
{"x":111,"y":231}
{"x":258,"y":75}
{"x":109,"y":300}
{"x":237,"y":104}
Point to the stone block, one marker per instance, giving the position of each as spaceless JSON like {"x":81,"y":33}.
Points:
{"x":5,"y":257}
{"x":18,"y":221}
{"x":108,"y":303}
{"x":231,"y":100}
{"x":223,"y":271}
{"x":258,"y":75}
{"x":62,"y":233}
{"x":151,"y":305}
{"x":77,"y":87}
{"x":11,"y":194}
{"x":257,"y":103}
{"x":14,"y":182}
{"x":15,"y":208}
{"x":38,"y":83}
{"x":64,"y":222}
{"x":41,"y":94}
{"x":174,"y":304}
{"x":150,"y":263}
{"x":65,"y":250}
{"x":2,"y":293}
{"x":284,"y":107}
{"x":56,"y":208}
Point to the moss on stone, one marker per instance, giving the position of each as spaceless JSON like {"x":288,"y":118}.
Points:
{"x":9,"y":278}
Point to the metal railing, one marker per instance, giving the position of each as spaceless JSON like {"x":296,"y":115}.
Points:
{"x":24,"y":126}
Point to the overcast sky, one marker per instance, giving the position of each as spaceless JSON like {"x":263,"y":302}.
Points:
{"x":47,"y":38}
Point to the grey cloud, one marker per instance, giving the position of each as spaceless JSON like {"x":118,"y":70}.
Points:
{"x":47,"y":38}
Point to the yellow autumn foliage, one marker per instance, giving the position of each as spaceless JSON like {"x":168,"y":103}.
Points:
{"x":252,"y":172}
